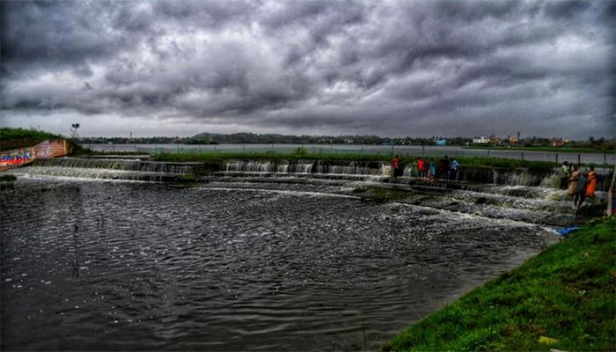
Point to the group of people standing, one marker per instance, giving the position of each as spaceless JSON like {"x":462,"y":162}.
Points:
{"x":444,"y":168}
{"x":579,"y":184}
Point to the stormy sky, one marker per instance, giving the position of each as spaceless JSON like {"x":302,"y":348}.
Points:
{"x":387,"y":68}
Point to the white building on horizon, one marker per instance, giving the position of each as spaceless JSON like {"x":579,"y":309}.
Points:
{"x":481,"y":140}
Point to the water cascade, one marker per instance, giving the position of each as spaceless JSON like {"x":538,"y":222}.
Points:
{"x":379,"y":171}
{"x":351,"y":170}
{"x":114,"y":164}
{"x":133,"y":170}
{"x":375,"y":170}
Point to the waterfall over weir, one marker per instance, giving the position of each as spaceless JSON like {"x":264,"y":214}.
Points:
{"x":114,"y":164}
{"x":303,"y":167}
{"x":374,"y":171}
{"x":108,"y":169}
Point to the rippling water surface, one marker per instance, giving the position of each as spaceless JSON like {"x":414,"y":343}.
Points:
{"x":137,"y":266}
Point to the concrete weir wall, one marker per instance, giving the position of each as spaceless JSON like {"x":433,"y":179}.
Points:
{"x":44,"y":150}
{"x":356,"y":170}
{"x":473,"y":174}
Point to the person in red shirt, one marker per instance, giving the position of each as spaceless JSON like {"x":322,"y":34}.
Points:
{"x":421,"y":167}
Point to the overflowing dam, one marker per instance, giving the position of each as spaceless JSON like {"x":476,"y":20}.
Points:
{"x":255,"y":255}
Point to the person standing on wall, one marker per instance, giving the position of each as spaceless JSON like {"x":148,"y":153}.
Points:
{"x":417,"y":168}
{"x":564,"y":175}
{"x":395,"y":165}
{"x":592,"y":182}
{"x":421,"y":166}
{"x":443,"y":168}
{"x":580,"y":192}
{"x":453,"y":170}
{"x":432,"y":169}
{"x":573,"y":180}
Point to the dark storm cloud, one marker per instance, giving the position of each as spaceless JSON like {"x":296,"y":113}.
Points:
{"x":57,"y":32}
{"x":342,"y":67}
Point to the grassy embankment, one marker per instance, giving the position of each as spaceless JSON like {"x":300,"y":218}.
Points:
{"x":14,"y":138}
{"x":564,"y":299}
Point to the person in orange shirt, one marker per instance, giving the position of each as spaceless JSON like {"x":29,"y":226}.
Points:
{"x":592,"y":182}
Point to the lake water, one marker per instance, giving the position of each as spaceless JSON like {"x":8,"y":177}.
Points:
{"x":103,"y":265}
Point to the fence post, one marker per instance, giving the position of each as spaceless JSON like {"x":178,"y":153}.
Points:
{"x":522,"y":156}
{"x":557,"y":158}
{"x":579,"y":160}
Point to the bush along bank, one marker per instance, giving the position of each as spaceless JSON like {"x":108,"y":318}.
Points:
{"x":562,"y":299}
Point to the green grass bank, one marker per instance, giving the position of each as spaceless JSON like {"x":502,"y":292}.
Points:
{"x":14,"y":138}
{"x":563,"y":299}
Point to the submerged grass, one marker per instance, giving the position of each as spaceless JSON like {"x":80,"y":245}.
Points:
{"x":564,"y":298}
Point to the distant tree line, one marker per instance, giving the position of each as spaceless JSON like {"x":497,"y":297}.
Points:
{"x":11,"y":138}
{"x":253,"y":138}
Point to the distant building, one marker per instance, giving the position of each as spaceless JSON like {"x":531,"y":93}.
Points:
{"x":559,"y":142}
{"x":481,"y":140}
{"x":441,"y":142}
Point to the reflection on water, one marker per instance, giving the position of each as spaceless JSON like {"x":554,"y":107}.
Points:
{"x":135,"y":266}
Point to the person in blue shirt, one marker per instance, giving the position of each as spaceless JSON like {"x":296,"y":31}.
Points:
{"x":453,"y":169}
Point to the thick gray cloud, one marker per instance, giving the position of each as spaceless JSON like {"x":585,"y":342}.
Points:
{"x":391,"y":68}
